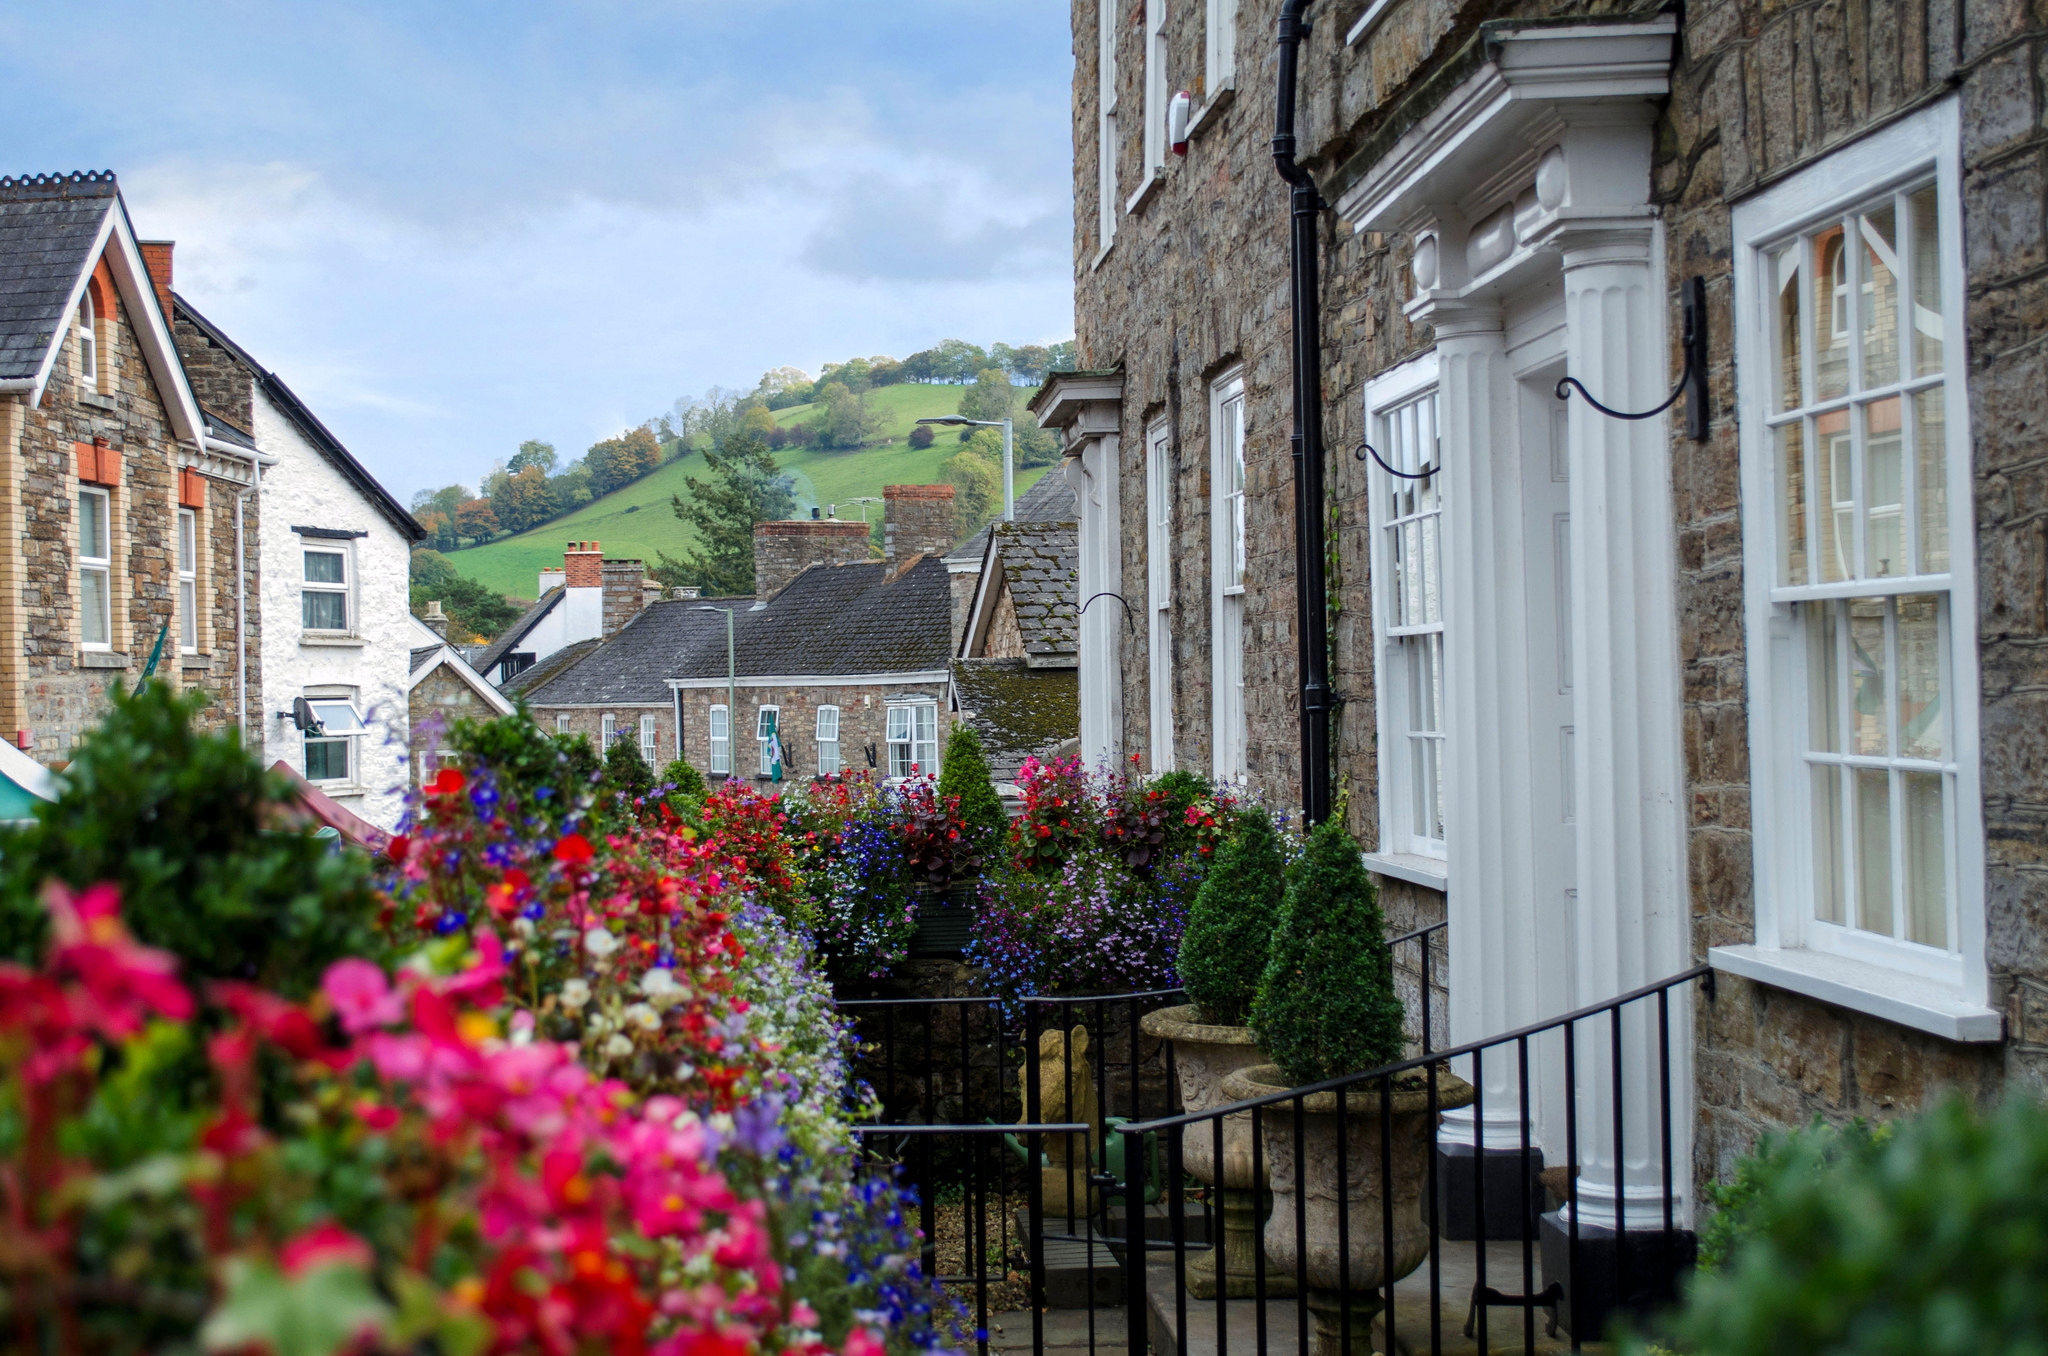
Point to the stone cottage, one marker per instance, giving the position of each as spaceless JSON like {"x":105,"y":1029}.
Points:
{"x":440,"y":689}
{"x":130,"y":512}
{"x":1754,"y":682}
{"x":333,"y":578}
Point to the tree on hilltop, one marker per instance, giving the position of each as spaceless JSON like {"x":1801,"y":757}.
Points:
{"x":745,"y":487}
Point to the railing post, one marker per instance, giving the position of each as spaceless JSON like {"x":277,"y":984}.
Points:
{"x":1136,"y":1332}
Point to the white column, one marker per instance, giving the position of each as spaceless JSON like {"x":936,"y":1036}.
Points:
{"x":1093,"y":474}
{"x":1631,"y":921}
{"x":1493,"y":980}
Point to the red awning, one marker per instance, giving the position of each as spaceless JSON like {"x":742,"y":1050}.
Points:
{"x":317,"y":807}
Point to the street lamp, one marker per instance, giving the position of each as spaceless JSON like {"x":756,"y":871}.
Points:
{"x":1009,"y":469}
{"x":732,"y":705}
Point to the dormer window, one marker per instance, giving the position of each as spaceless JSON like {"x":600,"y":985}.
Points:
{"x":87,"y":335}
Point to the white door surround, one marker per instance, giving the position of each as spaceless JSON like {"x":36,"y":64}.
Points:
{"x":1532,"y":180}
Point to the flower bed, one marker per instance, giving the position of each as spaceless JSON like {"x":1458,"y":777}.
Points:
{"x":581,"y":1088}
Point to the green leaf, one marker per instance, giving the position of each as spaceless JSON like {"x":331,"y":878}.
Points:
{"x":424,"y":1313}
{"x":314,"y":1314}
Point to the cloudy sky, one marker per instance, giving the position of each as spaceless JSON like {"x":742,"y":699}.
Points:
{"x":452,"y":225}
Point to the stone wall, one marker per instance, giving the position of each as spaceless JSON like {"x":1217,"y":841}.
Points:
{"x":785,"y":549}
{"x":1759,"y":91}
{"x":435,"y":703}
{"x":624,"y":593}
{"x":588,"y":721}
{"x":861,"y":722}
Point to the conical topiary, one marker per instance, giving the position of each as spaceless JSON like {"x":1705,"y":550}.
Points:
{"x":1230,"y":924}
{"x":686,"y":780}
{"x":625,"y":770}
{"x":964,"y":773}
{"x":1326,"y":1005}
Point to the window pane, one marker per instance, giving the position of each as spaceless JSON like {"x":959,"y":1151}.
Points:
{"x":1874,"y":850}
{"x":325,"y":567}
{"x":1833,"y":469}
{"x":828,"y":722}
{"x":1783,"y":269}
{"x":1827,"y":843}
{"x":1830,"y":316}
{"x":1879,"y":265}
{"x":336,"y":716}
{"x":92,"y":525}
{"x":899,"y":724}
{"x":1792,"y":502}
{"x":1921,"y":718}
{"x":1927,"y":327}
{"x":1866,"y":669}
{"x":1926,"y":861}
{"x":325,"y":611}
{"x":1884,"y":489}
{"x":1930,"y":437}
{"x":188,"y":615}
{"x":1824,"y":679}
{"x":187,"y":549}
{"x":93,"y":627}
{"x":718,"y":722}
{"x":326,"y":760}
{"x":927,"y":724}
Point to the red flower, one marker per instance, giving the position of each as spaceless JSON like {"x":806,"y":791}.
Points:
{"x":397,"y":848}
{"x":449,"y":781}
{"x":326,"y":1244}
{"x":573,"y":849}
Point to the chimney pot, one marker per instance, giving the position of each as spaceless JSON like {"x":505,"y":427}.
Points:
{"x":436,"y":619}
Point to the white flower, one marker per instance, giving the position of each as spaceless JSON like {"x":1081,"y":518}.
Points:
{"x":642,"y":1016}
{"x":575,"y":994}
{"x":523,"y":927}
{"x":600,"y":943}
{"x":659,"y":980}
{"x":618,"y":1047}
{"x":685,"y":1072}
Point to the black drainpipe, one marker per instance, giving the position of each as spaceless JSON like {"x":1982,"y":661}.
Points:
{"x":1311,"y":617}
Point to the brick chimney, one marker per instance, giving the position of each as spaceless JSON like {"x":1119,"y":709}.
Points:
{"x":436,"y":619}
{"x":785,"y":549}
{"x":156,"y":257}
{"x":625,"y":593}
{"x":583,"y":565}
{"x":916,"y":520}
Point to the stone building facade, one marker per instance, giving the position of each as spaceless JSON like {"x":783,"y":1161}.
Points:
{"x":119,"y":492}
{"x":1618,"y":622}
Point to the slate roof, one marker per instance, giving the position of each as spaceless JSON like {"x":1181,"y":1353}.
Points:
{"x":1018,"y":711}
{"x":508,"y":640}
{"x":549,"y":667}
{"x":630,"y":669}
{"x":1051,"y":500}
{"x":308,"y":424}
{"x":48,"y":225}
{"x":838,"y":619}
{"x":1041,"y":565}
{"x":422,"y":656}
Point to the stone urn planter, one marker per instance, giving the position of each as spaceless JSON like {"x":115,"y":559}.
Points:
{"x":1370,"y":1266}
{"x":1203,"y":1057}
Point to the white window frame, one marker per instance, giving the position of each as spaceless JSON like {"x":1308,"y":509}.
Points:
{"x":345,"y":589}
{"x":607,"y":731}
{"x":1153,"y":148}
{"x":86,"y":331}
{"x":920,"y":756}
{"x":761,"y":732}
{"x":1159,"y":588}
{"x":1229,"y":544}
{"x":350,"y":739}
{"x":1107,"y":202}
{"x":718,"y":734}
{"x":561,"y":724}
{"x":650,"y":740}
{"x":188,"y":581}
{"x":1944,"y":991}
{"x":827,"y":732}
{"x":101,"y":565}
{"x":1407,"y":648}
{"x":1219,"y":49}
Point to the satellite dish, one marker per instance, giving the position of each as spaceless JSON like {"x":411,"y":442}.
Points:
{"x":303,"y":717}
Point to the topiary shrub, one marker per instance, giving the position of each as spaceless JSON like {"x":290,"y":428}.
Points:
{"x":193,"y":830}
{"x":625,"y":769}
{"x":684,"y":780}
{"x":1928,"y":1237}
{"x":964,"y":776}
{"x":550,"y":774}
{"x":1326,"y":1003}
{"x":1230,"y":924}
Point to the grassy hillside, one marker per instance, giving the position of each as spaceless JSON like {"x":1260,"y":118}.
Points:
{"x":637,"y":521}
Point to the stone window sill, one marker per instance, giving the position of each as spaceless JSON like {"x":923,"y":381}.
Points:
{"x":1431,"y":873}
{"x":333,"y":642}
{"x":102,"y":659}
{"x":1154,"y":177}
{"x":339,"y":790}
{"x":1212,"y":112}
{"x":1862,"y":987}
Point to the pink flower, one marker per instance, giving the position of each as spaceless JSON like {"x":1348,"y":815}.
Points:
{"x":362,"y":996}
{"x":325,"y":1244}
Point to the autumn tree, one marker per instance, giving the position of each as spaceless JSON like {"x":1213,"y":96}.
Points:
{"x":474,"y":519}
{"x":533,"y":452}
